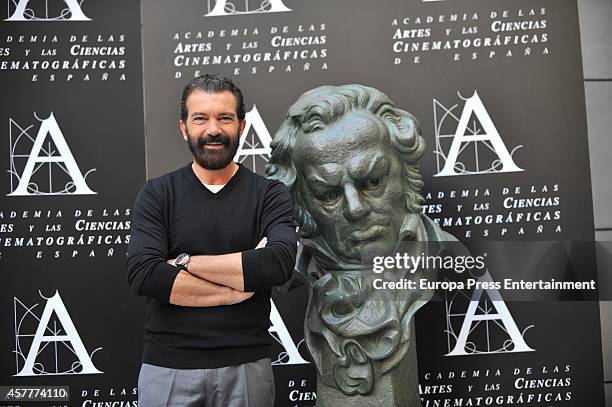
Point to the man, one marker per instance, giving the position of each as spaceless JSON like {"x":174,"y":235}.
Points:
{"x":350,"y":159}
{"x":194,"y":254}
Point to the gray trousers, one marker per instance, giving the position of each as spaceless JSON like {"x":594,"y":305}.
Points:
{"x":247,"y":385}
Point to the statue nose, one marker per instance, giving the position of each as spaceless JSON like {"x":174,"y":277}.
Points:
{"x":356,"y":207}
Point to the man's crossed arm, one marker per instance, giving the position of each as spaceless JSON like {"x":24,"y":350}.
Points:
{"x":211,"y":281}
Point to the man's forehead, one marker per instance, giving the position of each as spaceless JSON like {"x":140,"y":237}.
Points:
{"x":202,"y":100}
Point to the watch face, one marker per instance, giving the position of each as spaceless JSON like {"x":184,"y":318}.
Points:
{"x":182,"y":259}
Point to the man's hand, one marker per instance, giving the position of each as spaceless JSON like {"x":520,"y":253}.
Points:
{"x":224,"y":270}
{"x":262,"y":243}
{"x":190,"y":291}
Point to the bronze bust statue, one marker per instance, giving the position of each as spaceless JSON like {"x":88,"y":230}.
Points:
{"x":350,"y":159}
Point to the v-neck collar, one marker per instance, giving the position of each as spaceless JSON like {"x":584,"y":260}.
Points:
{"x":226,"y":188}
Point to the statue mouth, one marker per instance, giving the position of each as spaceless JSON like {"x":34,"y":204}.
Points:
{"x":368,"y":234}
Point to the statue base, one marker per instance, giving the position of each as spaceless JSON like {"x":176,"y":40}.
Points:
{"x":399,"y":387}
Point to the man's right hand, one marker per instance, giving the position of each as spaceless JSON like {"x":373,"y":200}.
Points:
{"x":191,"y":291}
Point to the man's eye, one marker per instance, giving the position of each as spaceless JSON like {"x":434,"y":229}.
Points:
{"x":226,"y":119}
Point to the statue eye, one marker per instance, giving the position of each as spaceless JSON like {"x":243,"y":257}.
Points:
{"x":330,"y":197}
{"x":372,"y":183}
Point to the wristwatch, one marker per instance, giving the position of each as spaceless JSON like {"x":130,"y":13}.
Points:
{"x":182,"y":260}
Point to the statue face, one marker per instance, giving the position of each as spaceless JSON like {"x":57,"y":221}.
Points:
{"x":353,"y":185}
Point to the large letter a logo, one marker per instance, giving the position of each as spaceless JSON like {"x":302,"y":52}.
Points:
{"x":55,"y":153}
{"x":489,"y":139}
{"x":226,"y":8}
{"x":501,"y":319}
{"x":22,"y":13}
{"x":63,"y":335}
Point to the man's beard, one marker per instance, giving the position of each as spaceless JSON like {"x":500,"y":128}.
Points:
{"x":213,"y":159}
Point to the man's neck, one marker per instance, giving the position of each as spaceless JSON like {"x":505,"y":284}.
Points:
{"x":215,"y":177}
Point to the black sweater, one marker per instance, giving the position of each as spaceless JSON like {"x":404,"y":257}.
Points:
{"x":175,"y":213}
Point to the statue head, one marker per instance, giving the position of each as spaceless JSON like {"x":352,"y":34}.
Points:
{"x":350,"y":159}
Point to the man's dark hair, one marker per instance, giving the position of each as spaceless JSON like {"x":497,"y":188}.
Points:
{"x":213,"y":83}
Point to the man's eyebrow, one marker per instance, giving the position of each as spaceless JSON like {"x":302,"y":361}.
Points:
{"x":232,"y":114}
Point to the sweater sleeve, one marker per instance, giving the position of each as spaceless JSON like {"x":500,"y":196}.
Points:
{"x":147,"y":271}
{"x":273,"y":264}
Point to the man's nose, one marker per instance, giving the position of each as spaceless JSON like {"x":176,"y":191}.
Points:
{"x":356,"y":207}
{"x":213,"y":128}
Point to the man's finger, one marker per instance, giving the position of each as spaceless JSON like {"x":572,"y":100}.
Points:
{"x":262,"y":243}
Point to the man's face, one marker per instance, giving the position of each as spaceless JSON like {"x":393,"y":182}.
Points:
{"x":212,"y":128}
{"x":354,"y":188}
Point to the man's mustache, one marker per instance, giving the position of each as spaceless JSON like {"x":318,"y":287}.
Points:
{"x":221,"y":139}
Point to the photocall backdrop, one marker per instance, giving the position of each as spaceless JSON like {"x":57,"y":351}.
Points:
{"x":74,"y":75}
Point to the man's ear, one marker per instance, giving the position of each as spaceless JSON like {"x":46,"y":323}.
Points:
{"x":183,"y":128}
{"x":242,"y":126}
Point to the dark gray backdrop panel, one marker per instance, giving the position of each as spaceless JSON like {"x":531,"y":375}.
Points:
{"x":88,"y":75}
{"x":529,"y":84}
